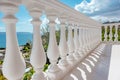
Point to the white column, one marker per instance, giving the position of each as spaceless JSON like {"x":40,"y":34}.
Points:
{"x":38,"y":57}
{"x":76,"y":42}
{"x":63,"y":48}
{"x":81,"y":41}
{"x":110,"y":35}
{"x":52,"y":52}
{"x":70,"y":43}
{"x":105,"y":35}
{"x":116,"y":33}
{"x":84,"y":41}
{"x":14,"y":64}
{"x":91,"y":39}
{"x":87,"y":40}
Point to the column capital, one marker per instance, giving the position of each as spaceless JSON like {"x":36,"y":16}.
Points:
{"x":9,"y":7}
{"x":33,"y":4}
{"x":63,"y":18}
{"x":51,"y":14}
{"x":35,"y":8}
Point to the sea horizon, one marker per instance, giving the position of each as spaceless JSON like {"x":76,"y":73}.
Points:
{"x":23,"y":38}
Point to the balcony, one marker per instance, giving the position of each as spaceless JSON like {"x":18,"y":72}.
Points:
{"x":85,"y":54}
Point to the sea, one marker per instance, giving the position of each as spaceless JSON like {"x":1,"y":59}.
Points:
{"x":23,"y":38}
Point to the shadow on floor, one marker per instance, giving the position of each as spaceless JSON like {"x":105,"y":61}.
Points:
{"x":95,"y":67}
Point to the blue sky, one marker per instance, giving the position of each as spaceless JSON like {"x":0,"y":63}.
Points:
{"x":100,"y":10}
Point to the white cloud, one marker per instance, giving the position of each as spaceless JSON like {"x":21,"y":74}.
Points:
{"x":102,"y":8}
{"x":93,"y":6}
{"x":105,"y":19}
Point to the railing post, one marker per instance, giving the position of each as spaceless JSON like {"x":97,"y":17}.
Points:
{"x":89,"y":42}
{"x":70,"y":43}
{"x":116,"y":33}
{"x":87,"y":39}
{"x":91,"y":39}
{"x":38,"y":57}
{"x":84,"y":41}
{"x":63,"y":48}
{"x":76,"y":42}
{"x":110,"y":35}
{"x":52,"y":52}
{"x":105,"y":34}
{"x":81,"y":41}
{"x":14,"y":64}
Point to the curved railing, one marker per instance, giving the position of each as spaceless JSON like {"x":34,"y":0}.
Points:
{"x":111,"y":32}
{"x":70,"y":50}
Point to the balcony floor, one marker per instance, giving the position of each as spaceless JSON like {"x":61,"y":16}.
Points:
{"x":106,"y":67}
{"x":101,"y":71}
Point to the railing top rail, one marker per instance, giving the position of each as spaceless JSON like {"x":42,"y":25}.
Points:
{"x":111,"y":24}
{"x":61,"y":8}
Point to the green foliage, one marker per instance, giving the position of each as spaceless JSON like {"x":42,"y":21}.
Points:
{"x":28,"y":75}
{"x":108,"y":32}
{"x":27,"y":47}
{"x":45,"y":67}
{"x":1,"y":61}
{"x":103,"y":32}
{"x":118,"y":33}
{"x":2,"y":77}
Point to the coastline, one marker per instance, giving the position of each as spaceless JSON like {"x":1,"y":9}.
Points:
{"x":2,"y":50}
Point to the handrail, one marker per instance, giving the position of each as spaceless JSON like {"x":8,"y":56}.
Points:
{"x":68,"y":50}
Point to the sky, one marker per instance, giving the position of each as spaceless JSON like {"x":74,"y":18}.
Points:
{"x":100,"y":10}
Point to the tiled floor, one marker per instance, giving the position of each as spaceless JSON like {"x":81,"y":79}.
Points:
{"x":99,"y":72}
{"x":114,"y":72}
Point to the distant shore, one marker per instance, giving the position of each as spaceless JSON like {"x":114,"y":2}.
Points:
{"x":2,"y":50}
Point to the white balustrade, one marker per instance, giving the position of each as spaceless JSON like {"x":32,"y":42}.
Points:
{"x":110,"y":35}
{"x":87,"y":40}
{"x":116,"y":33}
{"x":111,"y":32}
{"x":76,"y":42}
{"x":38,"y":56}
{"x":53,"y":51}
{"x":84,"y":41}
{"x":70,"y":43}
{"x":14,"y":64}
{"x":80,"y":41}
{"x":70,"y":52}
{"x":63,"y":48}
{"x":105,"y":34}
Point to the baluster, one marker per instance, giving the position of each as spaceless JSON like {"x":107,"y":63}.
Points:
{"x":105,"y":35}
{"x":80,"y":41}
{"x":38,"y":57}
{"x":84,"y":41}
{"x":70,"y":42}
{"x":99,"y":34}
{"x":92,"y":38}
{"x":14,"y":64}
{"x":110,"y":34}
{"x":87,"y":40}
{"x":76,"y":42}
{"x":63,"y":48}
{"x":116,"y":33}
{"x":91,"y":41}
{"x":52,"y":52}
